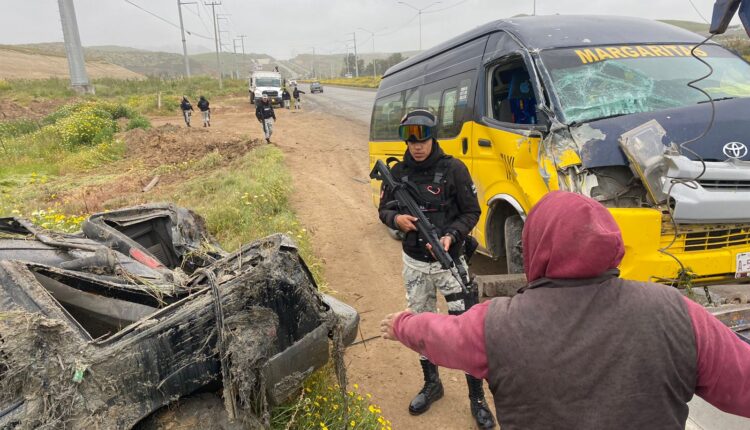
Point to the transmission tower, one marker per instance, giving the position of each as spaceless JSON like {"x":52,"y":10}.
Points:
{"x":79,"y":79}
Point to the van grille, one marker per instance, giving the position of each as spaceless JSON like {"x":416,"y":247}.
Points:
{"x":271,"y":93}
{"x":719,"y":185}
{"x":709,"y":239}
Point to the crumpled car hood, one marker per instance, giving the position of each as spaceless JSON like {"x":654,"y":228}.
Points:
{"x":681,"y":124}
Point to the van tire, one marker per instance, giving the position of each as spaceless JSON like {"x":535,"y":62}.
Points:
{"x":513,"y":251}
{"x":252,"y":98}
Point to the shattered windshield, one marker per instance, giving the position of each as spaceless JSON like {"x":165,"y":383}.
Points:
{"x":268,"y":82}
{"x":594,"y":83}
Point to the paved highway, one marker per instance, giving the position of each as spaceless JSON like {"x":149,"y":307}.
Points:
{"x":351,"y":103}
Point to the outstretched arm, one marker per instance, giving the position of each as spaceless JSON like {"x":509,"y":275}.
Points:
{"x":723,"y":363}
{"x":454,"y":341}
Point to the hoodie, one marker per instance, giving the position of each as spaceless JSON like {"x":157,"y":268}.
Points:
{"x":580,"y":347}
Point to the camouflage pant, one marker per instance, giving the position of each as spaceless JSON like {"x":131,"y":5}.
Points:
{"x":423,"y":280}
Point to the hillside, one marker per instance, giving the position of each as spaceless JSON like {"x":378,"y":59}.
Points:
{"x":17,"y":64}
{"x":145,"y":62}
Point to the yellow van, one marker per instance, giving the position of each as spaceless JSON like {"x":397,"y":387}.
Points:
{"x":598,"y":105}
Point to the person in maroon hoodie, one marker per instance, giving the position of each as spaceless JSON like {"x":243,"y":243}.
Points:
{"x":580,"y":348}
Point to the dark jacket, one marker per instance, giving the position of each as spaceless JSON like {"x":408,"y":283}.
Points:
{"x":450,"y":203}
{"x":185,"y":105}
{"x":264,"y":110}
{"x":203,"y":104}
{"x":285,"y":95}
{"x":297,"y":92}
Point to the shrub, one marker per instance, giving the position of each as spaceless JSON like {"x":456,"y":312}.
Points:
{"x":11,"y":129}
{"x":138,"y":121}
{"x":85,"y":127}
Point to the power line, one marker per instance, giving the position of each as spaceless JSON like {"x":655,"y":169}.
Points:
{"x":698,"y":12}
{"x":192,"y":33}
{"x":447,"y":7}
{"x":200,"y":17}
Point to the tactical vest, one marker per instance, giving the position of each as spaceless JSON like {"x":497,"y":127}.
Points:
{"x":591,"y":354}
{"x":430,"y":191}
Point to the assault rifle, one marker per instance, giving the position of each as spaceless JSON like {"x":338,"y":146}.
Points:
{"x":426,"y":229}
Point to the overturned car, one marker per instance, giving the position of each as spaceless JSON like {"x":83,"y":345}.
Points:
{"x":102,"y":328}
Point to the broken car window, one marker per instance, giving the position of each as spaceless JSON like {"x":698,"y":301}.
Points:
{"x":602,"y":82}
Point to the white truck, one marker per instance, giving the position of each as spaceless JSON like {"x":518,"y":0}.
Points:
{"x":265,"y":83}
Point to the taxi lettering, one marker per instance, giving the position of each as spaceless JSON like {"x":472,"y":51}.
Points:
{"x":593,"y":55}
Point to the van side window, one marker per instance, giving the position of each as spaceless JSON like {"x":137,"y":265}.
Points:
{"x":454,"y":105}
{"x":512,"y":96}
{"x":412,"y":99}
{"x":386,"y":117}
{"x":432,"y":102}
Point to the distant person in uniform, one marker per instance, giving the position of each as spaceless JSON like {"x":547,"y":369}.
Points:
{"x":265,"y":114}
{"x":296,"y":93}
{"x":286,"y":97}
{"x":203,"y":105}
{"x":187,"y":109}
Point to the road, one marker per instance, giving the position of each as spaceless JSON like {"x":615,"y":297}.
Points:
{"x":349,"y":103}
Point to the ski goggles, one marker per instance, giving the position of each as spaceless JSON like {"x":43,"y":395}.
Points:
{"x":415,"y":133}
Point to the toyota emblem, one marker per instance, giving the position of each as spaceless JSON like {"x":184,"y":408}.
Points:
{"x":735,"y":150}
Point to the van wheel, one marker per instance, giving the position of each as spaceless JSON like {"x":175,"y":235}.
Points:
{"x":396,"y":234}
{"x":513,"y":249}
{"x":252,"y":98}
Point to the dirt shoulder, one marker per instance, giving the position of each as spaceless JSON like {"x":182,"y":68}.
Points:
{"x":328,"y":159}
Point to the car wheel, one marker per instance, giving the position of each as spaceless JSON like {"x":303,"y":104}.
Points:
{"x":513,"y":250}
{"x":252,"y":99}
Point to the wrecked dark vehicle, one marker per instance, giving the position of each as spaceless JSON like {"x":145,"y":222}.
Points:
{"x":142,"y":308}
{"x":598,"y":105}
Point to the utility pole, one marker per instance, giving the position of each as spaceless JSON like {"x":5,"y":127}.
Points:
{"x":184,"y":42}
{"x":220,"y":17}
{"x":242,"y":36}
{"x":79,"y":79}
{"x":374,"y":64}
{"x":356,"y":63}
{"x":419,"y":12}
{"x":315,"y":75}
{"x":216,"y":39}
{"x":236,"y":68}
{"x":534,"y":12}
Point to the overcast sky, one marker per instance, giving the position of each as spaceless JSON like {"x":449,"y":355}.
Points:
{"x":284,"y":28}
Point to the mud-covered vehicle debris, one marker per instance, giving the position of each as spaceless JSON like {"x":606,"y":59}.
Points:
{"x":102,"y":328}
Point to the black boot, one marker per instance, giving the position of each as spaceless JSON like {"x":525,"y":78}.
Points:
{"x":479,"y":408}
{"x":431,"y":392}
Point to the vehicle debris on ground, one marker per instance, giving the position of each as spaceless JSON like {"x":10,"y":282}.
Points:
{"x":102,"y":328}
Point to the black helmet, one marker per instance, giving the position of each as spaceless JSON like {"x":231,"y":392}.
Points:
{"x":419,"y":117}
{"x":417,"y":126}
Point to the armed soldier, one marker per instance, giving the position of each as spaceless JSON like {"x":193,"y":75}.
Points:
{"x":442,"y":187}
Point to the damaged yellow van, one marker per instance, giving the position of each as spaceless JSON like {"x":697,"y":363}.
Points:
{"x":601,"y":106}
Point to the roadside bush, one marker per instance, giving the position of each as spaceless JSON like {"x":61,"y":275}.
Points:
{"x":4,"y":85}
{"x":86,"y":127}
{"x":11,"y":129}
{"x":138,"y":121}
{"x":324,"y":406}
{"x":362,"y":81}
{"x":94,"y":156}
